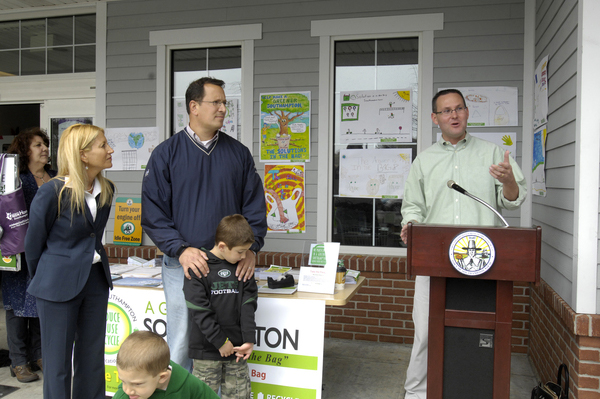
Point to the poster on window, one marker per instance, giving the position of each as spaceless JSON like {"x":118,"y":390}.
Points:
{"x":374,"y":173}
{"x":376,"y":116}
{"x":230,"y":124}
{"x":538,"y":175}
{"x":492,"y":106}
{"x":132,"y":146}
{"x":540,"y":95}
{"x":284,"y":196}
{"x":285,"y":127}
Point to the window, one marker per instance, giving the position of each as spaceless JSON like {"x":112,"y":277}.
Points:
{"x":219,"y":39}
{"x":223,"y":63}
{"x":367,"y":65}
{"x":374,"y":53}
{"x":48,"y":45}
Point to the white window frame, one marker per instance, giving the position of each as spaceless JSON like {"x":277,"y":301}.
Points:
{"x":330,"y":31}
{"x":218,"y":36}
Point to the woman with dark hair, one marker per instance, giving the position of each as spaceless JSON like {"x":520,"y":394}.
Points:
{"x":22,"y":323}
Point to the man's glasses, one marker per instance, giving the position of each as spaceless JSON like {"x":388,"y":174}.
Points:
{"x":448,"y":112}
{"x":215,"y":104}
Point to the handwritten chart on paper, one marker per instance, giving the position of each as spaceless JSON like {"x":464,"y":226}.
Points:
{"x":492,"y":106}
{"x":374,"y":173}
{"x":376,"y":116}
{"x":132,"y":145}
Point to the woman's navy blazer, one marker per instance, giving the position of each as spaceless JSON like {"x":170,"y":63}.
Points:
{"x":60,"y":250}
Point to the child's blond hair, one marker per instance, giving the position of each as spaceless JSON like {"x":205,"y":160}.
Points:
{"x":144,"y":351}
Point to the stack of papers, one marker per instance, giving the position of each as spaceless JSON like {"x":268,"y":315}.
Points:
{"x":120,"y":268}
{"x":136,"y":276}
{"x":264,"y":289}
{"x":138,"y":282}
{"x":352,"y":276}
{"x":143,"y":272}
{"x":137,"y":261}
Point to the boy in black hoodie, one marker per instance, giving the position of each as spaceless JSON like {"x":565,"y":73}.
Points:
{"x":221,"y":311}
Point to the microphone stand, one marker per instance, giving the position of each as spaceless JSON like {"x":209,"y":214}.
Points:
{"x":461,"y":190}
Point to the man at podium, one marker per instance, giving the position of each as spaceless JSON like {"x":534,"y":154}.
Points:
{"x":484,"y":169}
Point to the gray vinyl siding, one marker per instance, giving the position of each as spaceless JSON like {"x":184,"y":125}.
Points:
{"x":556,"y":37}
{"x":481,"y":45}
{"x":492,"y":57}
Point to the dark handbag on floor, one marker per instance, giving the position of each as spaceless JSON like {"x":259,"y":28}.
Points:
{"x":14,"y":218}
{"x":551,"y":390}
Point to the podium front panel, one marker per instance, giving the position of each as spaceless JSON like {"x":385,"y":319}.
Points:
{"x":468,"y":363}
{"x":471,"y":295}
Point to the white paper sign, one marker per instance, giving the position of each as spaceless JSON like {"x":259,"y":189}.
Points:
{"x":287,"y":361}
{"x":132,"y":145}
{"x":492,"y":106}
{"x":540,"y":107}
{"x":374,"y":173}
{"x":374,"y":116}
{"x":321,"y":278}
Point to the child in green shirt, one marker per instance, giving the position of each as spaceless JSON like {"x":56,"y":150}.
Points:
{"x":146,"y":372}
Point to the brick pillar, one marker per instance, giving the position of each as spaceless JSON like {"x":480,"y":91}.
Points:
{"x":559,"y":335}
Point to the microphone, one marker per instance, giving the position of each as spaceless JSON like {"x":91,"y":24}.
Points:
{"x":452,"y":184}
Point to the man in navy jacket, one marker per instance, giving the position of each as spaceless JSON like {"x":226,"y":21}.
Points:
{"x":193,"y":180}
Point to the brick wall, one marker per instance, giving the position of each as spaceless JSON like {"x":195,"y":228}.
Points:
{"x":120,"y":253}
{"x":381,"y":310}
{"x":559,"y":335}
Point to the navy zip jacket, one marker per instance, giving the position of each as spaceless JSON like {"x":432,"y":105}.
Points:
{"x":188,"y":189}
{"x":220,"y":307}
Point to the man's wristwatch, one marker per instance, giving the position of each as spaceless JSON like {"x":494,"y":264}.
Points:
{"x":181,"y":249}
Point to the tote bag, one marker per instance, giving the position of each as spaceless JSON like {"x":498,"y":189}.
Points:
{"x":14,"y":218}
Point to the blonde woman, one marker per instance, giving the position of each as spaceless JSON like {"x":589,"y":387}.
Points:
{"x":68,"y":264}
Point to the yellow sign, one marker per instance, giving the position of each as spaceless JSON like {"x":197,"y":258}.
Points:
{"x":128,"y":221}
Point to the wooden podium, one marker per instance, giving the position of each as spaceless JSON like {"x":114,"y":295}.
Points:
{"x":470,"y":317}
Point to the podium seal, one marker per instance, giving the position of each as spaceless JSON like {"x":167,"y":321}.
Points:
{"x":472,"y":253}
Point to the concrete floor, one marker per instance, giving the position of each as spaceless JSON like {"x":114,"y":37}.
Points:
{"x":360,"y":369}
{"x":352,"y":369}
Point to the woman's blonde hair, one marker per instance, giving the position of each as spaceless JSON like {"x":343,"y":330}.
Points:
{"x":74,"y":139}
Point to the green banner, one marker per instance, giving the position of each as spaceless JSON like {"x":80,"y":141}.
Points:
{"x":112,"y":378}
{"x":284,"y":360}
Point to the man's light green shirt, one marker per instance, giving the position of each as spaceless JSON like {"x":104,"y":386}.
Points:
{"x":427,"y":198}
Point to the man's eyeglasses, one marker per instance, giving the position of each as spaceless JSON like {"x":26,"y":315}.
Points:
{"x":215,"y":104}
{"x":448,"y":112}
